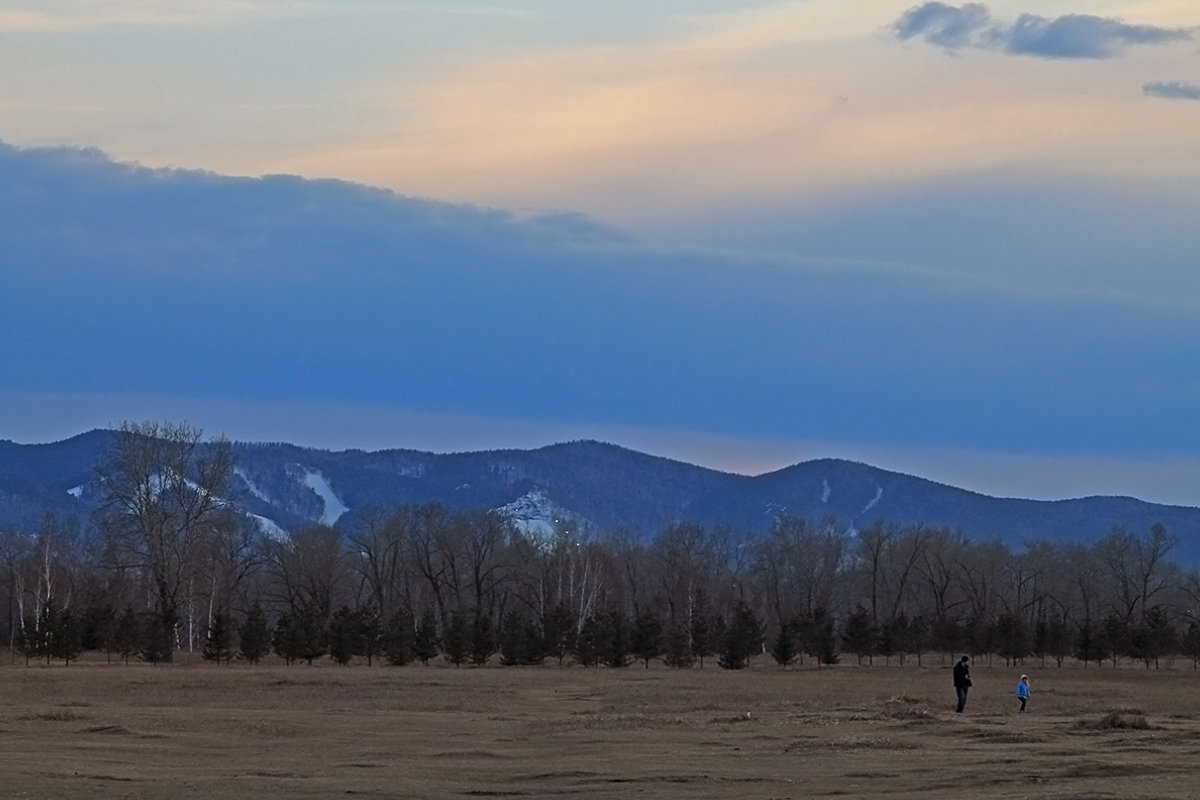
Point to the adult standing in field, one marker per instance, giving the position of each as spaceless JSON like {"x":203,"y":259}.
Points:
{"x":1023,"y":691}
{"x":962,"y":682}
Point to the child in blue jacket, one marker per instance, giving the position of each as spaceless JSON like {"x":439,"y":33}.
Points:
{"x":1023,"y":691}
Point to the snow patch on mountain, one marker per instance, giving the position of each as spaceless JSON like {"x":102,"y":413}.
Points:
{"x":251,"y":485}
{"x":878,"y":496}
{"x":75,"y":492}
{"x":825,"y":491}
{"x":536,"y":515}
{"x":334,"y":507}
{"x":270,"y":528}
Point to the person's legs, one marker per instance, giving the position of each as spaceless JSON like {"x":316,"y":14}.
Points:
{"x":961,"y":691}
{"x":1022,"y":699}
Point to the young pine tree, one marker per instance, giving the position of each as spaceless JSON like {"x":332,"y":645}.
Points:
{"x":743,"y":638}
{"x":647,"y":639}
{"x":399,"y":638}
{"x":677,"y":647}
{"x":458,"y":640}
{"x":345,"y":636}
{"x":861,"y":635}
{"x":254,"y":637}
{"x":426,"y":642}
{"x":370,"y":627}
{"x":127,"y":634}
{"x":786,"y":647}
{"x":219,"y":645}
{"x":558,"y":632}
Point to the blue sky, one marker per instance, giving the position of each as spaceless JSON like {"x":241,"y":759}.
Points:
{"x":956,"y":240}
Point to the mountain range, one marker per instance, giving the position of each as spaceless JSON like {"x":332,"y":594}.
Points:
{"x":587,"y":485}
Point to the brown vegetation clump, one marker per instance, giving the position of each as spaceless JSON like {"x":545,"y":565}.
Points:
{"x":1119,"y":719}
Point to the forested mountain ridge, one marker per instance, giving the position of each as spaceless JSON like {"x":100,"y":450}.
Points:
{"x":586,"y":485}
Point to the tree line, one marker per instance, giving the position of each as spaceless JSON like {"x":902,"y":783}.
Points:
{"x":167,"y":565}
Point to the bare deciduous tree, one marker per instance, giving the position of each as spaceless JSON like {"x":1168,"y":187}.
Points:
{"x":163,"y":505}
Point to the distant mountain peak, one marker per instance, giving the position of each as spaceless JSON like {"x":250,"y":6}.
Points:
{"x":588,"y":484}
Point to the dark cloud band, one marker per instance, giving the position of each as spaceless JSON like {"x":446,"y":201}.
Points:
{"x":1172,"y":90}
{"x":1068,"y":36}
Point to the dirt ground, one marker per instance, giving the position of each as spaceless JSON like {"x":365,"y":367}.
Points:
{"x":95,"y":730}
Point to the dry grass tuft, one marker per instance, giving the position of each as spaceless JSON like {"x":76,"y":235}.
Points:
{"x":908,"y":709}
{"x":1118,"y":719}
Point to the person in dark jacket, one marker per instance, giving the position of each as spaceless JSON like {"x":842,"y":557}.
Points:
{"x":962,"y":682}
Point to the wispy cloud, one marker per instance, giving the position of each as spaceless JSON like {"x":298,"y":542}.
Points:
{"x":1071,"y":36}
{"x":61,"y":17}
{"x":1172,"y":90}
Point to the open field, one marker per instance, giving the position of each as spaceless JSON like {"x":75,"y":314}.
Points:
{"x":113,"y":731}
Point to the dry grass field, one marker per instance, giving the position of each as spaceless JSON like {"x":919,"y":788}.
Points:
{"x":95,"y":730}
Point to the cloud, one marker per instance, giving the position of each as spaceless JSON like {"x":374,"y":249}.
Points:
{"x":63,"y":17}
{"x":1071,"y":36}
{"x":128,"y":281}
{"x":947,"y":26}
{"x":1082,"y":36}
{"x":1172,"y":90}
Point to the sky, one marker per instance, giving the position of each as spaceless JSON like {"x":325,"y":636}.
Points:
{"x":953,"y":240}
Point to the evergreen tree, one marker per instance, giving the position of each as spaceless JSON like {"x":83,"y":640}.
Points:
{"x":312,"y":633}
{"x":705,"y":637}
{"x":483,"y":639}
{"x":399,"y":638}
{"x":458,"y":640}
{"x":520,"y":640}
{"x":345,"y":636}
{"x":219,"y":644}
{"x":588,"y":642}
{"x":1012,"y":638}
{"x":558,"y":632}
{"x":743,"y":637}
{"x":426,"y":642}
{"x":370,"y":628}
{"x":1041,"y":633}
{"x":127,"y":634}
{"x":1116,"y":637}
{"x":786,"y":647}
{"x":68,"y":638}
{"x":714,"y":641}
{"x":917,"y":637}
{"x":891,"y":638}
{"x":283,"y":638}
{"x":949,"y":635}
{"x":980,"y":633}
{"x":300,"y":635}
{"x":157,"y":636}
{"x":99,"y":626}
{"x":254,"y":637}
{"x":818,"y":636}
{"x":1190,"y":644}
{"x":1153,"y":637}
{"x":1051,"y":637}
{"x":860,"y":635}
{"x":1089,"y":643}
{"x":1057,"y":639}
{"x":677,"y":647}
{"x":616,"y":638}
{"x":647,"y":640}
